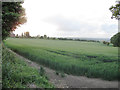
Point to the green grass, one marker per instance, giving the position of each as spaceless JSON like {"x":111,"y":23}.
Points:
{"x":0,"y":66}
{"x":89,"y":59}
{"x":17,"y":74}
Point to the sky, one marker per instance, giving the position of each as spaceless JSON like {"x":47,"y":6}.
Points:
{"x":69,"y":18}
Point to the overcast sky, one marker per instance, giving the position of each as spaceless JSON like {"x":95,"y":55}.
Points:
{"x":69,"y":18}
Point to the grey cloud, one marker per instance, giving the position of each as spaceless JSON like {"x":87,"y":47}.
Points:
{"x":73,"y":27}
{"x":70,"y":25}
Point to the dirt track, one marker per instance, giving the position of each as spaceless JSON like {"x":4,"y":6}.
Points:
{"x":70,"y":81}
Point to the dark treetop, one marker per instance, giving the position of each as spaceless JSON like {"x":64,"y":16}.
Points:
{"x":12,"y":16}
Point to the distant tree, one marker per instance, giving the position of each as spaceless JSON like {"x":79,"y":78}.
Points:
{"x":17,"y":36}
{"x":22,"y":35}
{"x":115,"y":10}
{"x":54,"y":38}
{"x":107,"y":43}
{"x":13,"y":15}
{"x":48,"y":37}
{"x":27,"y":34}
{"x":104,"y":42}
{"x":41,"y":37}
{"x":115,"y":40}
{"x":45,"y":36}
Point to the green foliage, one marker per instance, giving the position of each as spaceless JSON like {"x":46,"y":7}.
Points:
{"x":62,"y":74}
{"x":12,"y":16}
{"x":116,"y":40}
{"x":107,"y":43}
{"x":0,"y":67}
{"x":115,"y":10}
{"x":42,"y":71}
{"x":17,"y":74}
{"x":72,"y":57}
{"x":45,"y":36}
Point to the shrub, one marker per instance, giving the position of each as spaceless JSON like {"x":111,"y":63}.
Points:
{"x":115,"y":40}
{"x":42,"y":71}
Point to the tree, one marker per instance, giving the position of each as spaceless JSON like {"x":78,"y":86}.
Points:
{"x":22,"y":35}
{"x":17,"y":36}
{"x":41,"y":37}
{"x":27,"y":34}
{"x":104,"y":42}
{"x":13,"y":15}
{"x":107,"y":43}
{"x":45,"y":36}
{"x":115,"y":10}
{"x":115,"y":40}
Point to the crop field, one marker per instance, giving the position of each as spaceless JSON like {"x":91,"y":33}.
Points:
{"x":91,"y":59}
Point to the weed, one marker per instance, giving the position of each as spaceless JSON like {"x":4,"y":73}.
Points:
{"x":62,"y":74}
{"x":57,"y":72}
{"x":42,"y":71}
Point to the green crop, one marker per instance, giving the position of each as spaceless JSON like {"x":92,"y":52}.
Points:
{"x":91,"y":59}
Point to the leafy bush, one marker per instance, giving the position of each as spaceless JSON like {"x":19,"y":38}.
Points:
{"x":42,"y":71}
{"x":62,"y":74}
{"x":115,"y":40}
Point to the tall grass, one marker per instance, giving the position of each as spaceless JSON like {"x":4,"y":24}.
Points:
{"x":100,"y":65}
{"x":17,"y":74}
{"x":0,"y":66}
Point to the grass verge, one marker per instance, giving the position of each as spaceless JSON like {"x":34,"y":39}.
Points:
{"x":17,"y":74}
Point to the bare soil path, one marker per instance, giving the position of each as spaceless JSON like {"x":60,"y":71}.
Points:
{"x":70,"y":81}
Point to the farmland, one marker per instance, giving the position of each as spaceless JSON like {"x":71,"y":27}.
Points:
{"x":91,"y":59}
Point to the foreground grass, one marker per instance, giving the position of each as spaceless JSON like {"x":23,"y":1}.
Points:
{"x":72,"y":57}
{"x":0,"y":66}
{"x":17,"y":74}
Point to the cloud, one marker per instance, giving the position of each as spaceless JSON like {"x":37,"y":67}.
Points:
{"x":73,"y":27}
{"x":109,"y":28}
{"x":70,"y":25}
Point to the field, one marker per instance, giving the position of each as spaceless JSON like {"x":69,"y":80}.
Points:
{"x":91,"y":59}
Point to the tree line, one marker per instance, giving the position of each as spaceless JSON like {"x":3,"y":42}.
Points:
{"x":27,"y":35}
